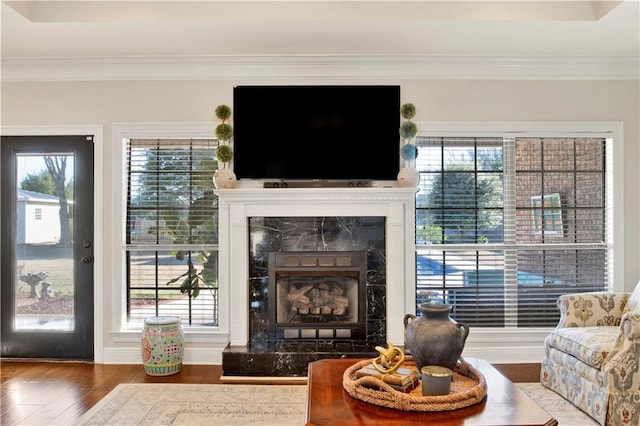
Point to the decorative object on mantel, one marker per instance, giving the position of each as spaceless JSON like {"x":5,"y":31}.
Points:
{"x":468,"y":387}
{"x":224,"y":178}
{"x":408,"y":176}
{"x":435,"y":338}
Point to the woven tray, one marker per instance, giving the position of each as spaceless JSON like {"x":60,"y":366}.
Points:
{"x":468,"y":387}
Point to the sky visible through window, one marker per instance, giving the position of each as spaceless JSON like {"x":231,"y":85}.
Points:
{"x":34,"y":164}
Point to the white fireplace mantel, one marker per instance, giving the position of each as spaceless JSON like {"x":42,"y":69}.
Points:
{"x":396,"y":204}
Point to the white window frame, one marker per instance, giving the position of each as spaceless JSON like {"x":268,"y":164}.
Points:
{"x":529,"y":341}
{"x":120,"y":329}
{"x":610,"y":130}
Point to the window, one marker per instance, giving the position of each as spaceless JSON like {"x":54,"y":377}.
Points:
{"x":547,"y":214}
{"x":38,"y":213}
{"x":171,"y":230}
{"x":504,"y":225}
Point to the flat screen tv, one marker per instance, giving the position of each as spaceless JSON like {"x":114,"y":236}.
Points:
{"x":343,"y":133}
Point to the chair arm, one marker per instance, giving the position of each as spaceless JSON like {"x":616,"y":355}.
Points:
{"x":621,"y":367}
{"x":591,"y":309}
{"x":630,"y":325}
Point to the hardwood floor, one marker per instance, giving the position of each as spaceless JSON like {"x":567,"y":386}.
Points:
{"x":58,"y":393}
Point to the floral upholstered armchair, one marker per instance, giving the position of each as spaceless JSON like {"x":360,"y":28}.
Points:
{"x":592,"y":357}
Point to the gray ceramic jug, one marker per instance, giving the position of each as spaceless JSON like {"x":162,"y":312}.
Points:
{"x":435,"y":338}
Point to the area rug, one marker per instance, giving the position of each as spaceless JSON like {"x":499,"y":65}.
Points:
{"x":182,"y":404}
{"x":562,"y":410}
{"x":233,"y":405}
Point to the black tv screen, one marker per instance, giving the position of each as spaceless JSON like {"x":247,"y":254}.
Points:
{"x":316,"y":132}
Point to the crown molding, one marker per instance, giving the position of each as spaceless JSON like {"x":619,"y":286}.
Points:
{"x":325,"y":67}
{"x":214,"y":10}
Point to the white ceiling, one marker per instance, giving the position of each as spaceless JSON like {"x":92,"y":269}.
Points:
{"x":76,"y":31}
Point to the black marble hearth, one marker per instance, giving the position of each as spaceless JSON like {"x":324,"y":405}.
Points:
{"x":267,"y":353}
{"x":287,"y":359}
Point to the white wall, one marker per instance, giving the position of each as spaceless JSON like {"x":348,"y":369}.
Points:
{"x":104,"y":103}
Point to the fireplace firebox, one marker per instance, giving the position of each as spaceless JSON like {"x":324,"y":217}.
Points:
{"x":318,"y":295}
{"x":331,"y":273}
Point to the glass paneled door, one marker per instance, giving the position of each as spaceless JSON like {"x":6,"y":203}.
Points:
{"x":47,"y":247}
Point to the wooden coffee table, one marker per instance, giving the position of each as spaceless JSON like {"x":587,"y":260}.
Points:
{"x":329,"y":404}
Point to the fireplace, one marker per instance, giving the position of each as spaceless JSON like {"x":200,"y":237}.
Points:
{"x":318,"y":295}
{"x":257,"y":224}
{"x":317,"y":278}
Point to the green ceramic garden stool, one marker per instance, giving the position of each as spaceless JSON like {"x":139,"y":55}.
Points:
{"x":162,"y":346}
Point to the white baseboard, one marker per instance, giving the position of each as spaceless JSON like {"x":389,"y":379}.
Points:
{"x":192,"y":356}
{"x":495,"y":353}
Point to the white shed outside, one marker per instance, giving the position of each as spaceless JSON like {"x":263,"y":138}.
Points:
{"x":38,"y":218}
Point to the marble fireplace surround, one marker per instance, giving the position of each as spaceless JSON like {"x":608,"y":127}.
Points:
{"x":237,"y":205}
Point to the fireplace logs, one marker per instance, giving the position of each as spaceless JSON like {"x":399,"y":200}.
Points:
{"x":318,"y":295}
{"x":325,"y":298}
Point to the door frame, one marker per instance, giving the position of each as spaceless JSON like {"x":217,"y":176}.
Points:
{"x":98,"y":216}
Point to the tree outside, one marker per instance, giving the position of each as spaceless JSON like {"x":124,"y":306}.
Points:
{"x":472,"y":182}
{"x":173,"y":192}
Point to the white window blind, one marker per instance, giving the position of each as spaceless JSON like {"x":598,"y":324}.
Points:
{"x":506,"y":225}
{"x":171,"y":230}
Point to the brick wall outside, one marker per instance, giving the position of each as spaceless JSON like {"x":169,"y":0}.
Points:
{"x":573,"y":168}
